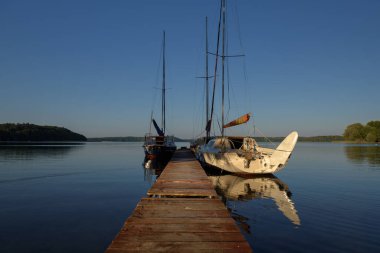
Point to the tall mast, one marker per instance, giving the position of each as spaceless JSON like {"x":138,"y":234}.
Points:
{"x":163,"y":86}
{"x":207,"y":85}
{"x":216,"y":66}
{"x":223,"y":58}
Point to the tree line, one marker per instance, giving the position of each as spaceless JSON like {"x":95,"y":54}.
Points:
{"x":363,"y":133}
{"x":31,"y":132}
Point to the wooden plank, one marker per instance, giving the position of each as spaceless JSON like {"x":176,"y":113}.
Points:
{"x":180,"y":237}
{"x":183,"y":207}
{"x":183,"y":176}
{"x":177,"y":226}
{"x":173,"y":249}
{"x":175,"y":201}
{"x":188,"y":175}
{"x":179,"y":213}
{"x":139,"y":245}
{"x":180,"y":194}
{"x":163,"y":220}
{"x":184,"y":201}
{"x":200,"y":181}
{"x":189,"y":185}
{"x":179,"y":222}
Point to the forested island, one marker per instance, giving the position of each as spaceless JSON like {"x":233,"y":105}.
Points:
{"x":34,"y":133}
{"x":363,"y":133}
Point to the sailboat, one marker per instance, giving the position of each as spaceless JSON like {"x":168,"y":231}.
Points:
{"x":239,"y":154}
{"x":160,"y":145}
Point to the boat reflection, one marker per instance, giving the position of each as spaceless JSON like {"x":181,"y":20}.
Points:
{"x":153,"y":168}
{"x":233,"y":187}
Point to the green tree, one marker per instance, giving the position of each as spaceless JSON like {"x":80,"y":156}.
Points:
{"x":374,"y":131}
{"x":375,"y":124}
{"x":369,"y":133}
{"x":371,"y":136}
{"x":355,"y":132}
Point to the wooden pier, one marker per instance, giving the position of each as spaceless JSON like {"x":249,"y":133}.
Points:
{"x":182,"y":213}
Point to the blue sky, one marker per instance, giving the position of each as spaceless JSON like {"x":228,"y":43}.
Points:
{"x":92,"y":66}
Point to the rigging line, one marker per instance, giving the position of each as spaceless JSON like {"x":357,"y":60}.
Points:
{"x":199,"y":135}
{"x":207,"y":79}
{"x":238,"y":26}
{"x":227,"y":65}
{"x":227,"y":56}
{"x":150,"y":122}
{"x":204,"y":77}
{"x":197,"y":107}
{"x":228,"y":83}
{"x":256,"y":128}
{"x":195,"y":87}
{"x":163,"y":87}
{"x":244,"y":59}
{"x":157,"y":80}
{"x":230,"y":90}
{"x":220,"y":128}
{"x":223,"y":59}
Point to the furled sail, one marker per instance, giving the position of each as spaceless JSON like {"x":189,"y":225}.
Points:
{"x":159,"y":131}
{"x":238,"y":121}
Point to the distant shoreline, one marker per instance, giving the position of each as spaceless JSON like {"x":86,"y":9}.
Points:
{"x":123,"y":139}
{"x":41,"y":143}
{"x":329,"y":138}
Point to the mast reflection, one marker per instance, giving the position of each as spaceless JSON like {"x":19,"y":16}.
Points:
{"x":234,"y":187}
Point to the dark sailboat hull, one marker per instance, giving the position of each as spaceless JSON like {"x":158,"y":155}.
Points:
{"x":159,"y":150}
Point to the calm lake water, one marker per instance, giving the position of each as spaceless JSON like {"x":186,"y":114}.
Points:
{"x":76,"y":198}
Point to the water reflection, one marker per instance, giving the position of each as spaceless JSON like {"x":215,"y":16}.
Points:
{"x":363,"y":154}
{"x":30,"y":152}
{"x":233,"y":187}
{"x":153,"y":168}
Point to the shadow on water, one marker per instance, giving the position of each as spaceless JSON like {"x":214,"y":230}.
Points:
{"x":363,"y":154}
{"x":245,"y":188}
{"x":30,"y":152}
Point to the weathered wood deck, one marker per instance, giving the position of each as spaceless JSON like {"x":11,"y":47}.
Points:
{"x":183,"y":176}
{"x":186,"y":216}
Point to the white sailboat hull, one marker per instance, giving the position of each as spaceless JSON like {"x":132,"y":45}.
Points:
{"x":221,"y":153}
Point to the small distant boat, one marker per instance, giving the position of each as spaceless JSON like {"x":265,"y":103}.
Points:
{"x":160,"y":145}
{"x":239,"y":154}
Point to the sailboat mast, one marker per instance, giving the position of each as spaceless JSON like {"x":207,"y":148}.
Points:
{"x":207,"y":84}
{"x":163,"y":87}
{"x":223,"y":58}
{"x":216,"y":67}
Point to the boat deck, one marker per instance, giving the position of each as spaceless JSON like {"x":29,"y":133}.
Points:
{"x":182,"y":214}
